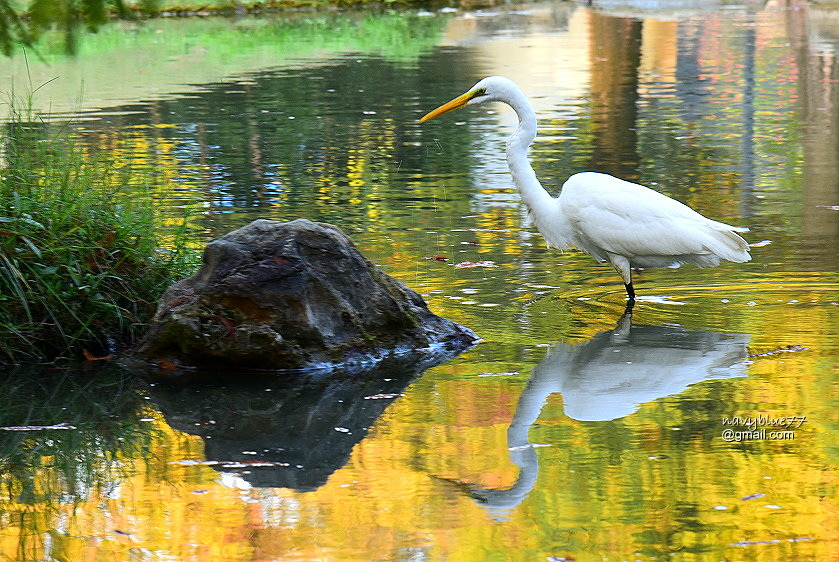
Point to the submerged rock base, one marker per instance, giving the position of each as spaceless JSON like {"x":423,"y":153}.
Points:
{"x":293,"y":295}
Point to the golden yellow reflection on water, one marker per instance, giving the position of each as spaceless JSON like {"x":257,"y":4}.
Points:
{"x":568,"y":433}
{"x":659,"y":484}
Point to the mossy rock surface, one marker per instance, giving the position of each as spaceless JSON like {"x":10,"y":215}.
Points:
{"x":293,"y":295}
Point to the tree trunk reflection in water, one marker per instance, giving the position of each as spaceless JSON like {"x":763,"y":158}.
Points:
{"x":615,"y":59}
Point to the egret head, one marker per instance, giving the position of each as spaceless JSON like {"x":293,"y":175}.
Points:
{"x":491,"y":88}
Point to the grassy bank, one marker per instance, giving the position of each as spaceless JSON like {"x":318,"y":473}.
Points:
{"x":157,"y":7}
{"x":24,"y":22}
{"x":81,"y":267}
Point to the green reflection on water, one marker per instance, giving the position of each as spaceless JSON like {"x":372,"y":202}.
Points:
{"x":129,"y":61}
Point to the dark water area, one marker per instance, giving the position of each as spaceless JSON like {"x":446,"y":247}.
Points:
{"x":701,"y":427}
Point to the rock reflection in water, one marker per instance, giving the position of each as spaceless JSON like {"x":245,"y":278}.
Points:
{"x":291,"y":433}
{"x":609,"y":377}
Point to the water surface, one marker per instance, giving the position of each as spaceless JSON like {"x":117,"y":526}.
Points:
{"x":571,"y":431}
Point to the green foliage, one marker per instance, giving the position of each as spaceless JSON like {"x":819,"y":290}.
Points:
{"x":12,"y":28}
{"x":19,"y":24}
{"x":80,"y":264}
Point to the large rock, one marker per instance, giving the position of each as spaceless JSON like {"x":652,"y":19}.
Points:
{"x":292,"y":295}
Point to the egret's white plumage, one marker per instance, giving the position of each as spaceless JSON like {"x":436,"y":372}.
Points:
{"x":626,"y":224}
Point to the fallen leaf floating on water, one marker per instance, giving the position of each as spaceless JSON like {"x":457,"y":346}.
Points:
{"x":37,"y":427}
{"x":785,"y":349}
{"x":772,"y":541}
{"x":437,"y":258}
{"x":752,"y":497}
{"x":481,"y":263}
{"x":166,"y":365}
{"x":91,"y":357}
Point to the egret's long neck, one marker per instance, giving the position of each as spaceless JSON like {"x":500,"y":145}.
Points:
{"x":532,"y":193}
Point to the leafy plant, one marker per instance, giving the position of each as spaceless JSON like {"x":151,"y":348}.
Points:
{"x":24,"y":25}
{"x":80,"y":263}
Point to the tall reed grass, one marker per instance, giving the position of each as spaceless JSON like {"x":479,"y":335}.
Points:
{"x":81,"y":265}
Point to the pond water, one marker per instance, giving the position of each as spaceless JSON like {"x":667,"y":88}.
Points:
{"x":703,"y":427}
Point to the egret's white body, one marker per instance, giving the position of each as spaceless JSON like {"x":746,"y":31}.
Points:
{"x":626,"y":224}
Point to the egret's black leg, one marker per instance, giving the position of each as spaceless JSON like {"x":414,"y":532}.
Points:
{"x":630,"y":291}
{"x":630,"y":302}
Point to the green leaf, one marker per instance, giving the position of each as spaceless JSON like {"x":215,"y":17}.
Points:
{"x":32,"y":246}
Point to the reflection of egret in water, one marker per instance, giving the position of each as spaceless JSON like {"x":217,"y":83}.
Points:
{"x":608,"y":377}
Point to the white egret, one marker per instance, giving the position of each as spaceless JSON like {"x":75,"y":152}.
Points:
{"x":626,"y":224}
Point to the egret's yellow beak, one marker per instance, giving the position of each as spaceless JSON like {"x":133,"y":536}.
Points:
{"x":456,"y":103}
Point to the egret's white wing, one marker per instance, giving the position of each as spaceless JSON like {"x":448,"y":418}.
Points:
{"x":627,"y":219}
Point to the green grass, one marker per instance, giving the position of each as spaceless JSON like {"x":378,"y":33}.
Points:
{"x":81,"y":265}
